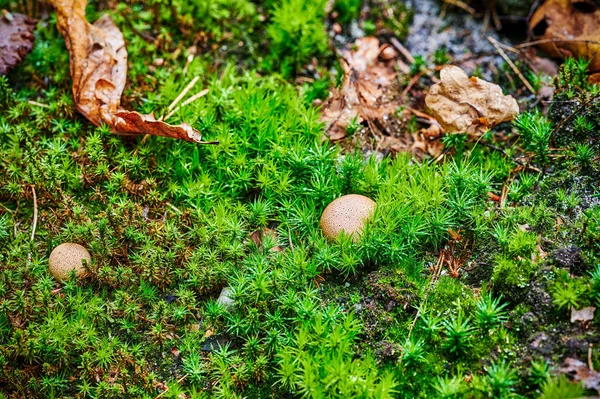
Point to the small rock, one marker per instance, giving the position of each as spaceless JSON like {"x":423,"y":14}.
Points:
{"x":570,"y":258}
{"x":225,"y":298}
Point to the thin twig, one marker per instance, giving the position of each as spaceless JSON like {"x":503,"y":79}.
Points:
{"x":544,"y":41}
{"x":290,"y":238}
{"x":461,"y":4}
{"x":38,"y":104}
{"x":183,"y":93}
{"x":403,"y":50}
{"x":174,"y":208}
{"x":35,"y":212}
{"x":496,"y":43}
{"x":186,"y":102}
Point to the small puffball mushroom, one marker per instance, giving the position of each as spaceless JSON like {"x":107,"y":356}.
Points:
{"x":67,"y":257}
{"x":348,"y":214}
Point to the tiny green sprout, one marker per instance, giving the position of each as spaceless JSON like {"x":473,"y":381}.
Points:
{"x":535,"y":131}
{"x":489,"y":312}
{"x":458,"y":331}
{"x":353,"y":126}
{"x":584,"y":154}
{"x":441,"y":57}
{"x":595,"y":284}
{"x":561,"y":387}
{"x":540,"y":372}
{"x":348,"y":10}
{"x":502,"y":377}
{"x":369,"y":27}
{"x":413,"y":352}
{"x":565,"y":296}
{"x":418,"y":66}
{"x":450,"y":387}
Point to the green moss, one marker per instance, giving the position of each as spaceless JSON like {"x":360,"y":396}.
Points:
{"x":170,"y":224}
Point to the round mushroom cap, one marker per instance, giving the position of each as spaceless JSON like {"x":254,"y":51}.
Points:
{"x":348,"y":214}
{"x":67,"y":257}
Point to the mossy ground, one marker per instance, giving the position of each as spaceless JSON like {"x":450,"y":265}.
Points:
{"x":460,"y":287}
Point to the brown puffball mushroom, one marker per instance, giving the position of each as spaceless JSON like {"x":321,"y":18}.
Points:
{"x":348,"y":214}
{"x":67,"y":257}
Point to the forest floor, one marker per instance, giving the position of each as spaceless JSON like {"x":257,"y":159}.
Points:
{"x":476,"y":277}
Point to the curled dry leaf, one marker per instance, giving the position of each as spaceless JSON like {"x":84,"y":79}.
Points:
{"x":579,"y":371}
{"x":462,"y":104}
{"x":16,"y":39}
{"x":99,"y":72}
{"x":585,"y":314}
{"x":568,"y":28}
{"x":366,"y":93}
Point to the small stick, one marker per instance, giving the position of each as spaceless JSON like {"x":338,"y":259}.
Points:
{"x":403,"y":50}
{"x":461,"y":4}
{"x":38,"y":104}
{"x":496,"y":43}
{"x":411,"y":84}
{"x":183,"y":93}
{"x":186,"y":102}
{"x":174,"y":208}
{"x":290,"y":238}
{"x":35,"y":212}
{"x":590,"y":363}
{"x":544,"y":41}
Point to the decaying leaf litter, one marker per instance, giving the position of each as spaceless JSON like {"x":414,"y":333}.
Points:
{"x":376,"y":89}
{"x":99,"y":72}
{"x":16,"y":39}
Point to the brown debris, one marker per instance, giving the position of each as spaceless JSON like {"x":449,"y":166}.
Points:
{"x":579,"y":371}
{"x":16,"y":39}
{"x":367,"y":91}
{"x":99,"y":72}
{"x":568,"y":28}
{"x":468,"y":105}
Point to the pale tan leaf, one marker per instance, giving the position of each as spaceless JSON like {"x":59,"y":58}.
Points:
{"x":585,"y":314}
{"x":468,"y":105}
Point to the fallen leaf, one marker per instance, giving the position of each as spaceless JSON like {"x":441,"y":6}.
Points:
{"x":468,"y":105}
{"x":568,"y":28}
{"x":99,"y":72}
{"x":16,"y":39}
{"x":585,"y":314}
{"x":367,"y":91}
{"x":579,"y":371}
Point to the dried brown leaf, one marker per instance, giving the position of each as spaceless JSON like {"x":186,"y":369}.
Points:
{"x":367,"y":91}
{"x":568,"y":28}
{"x":99,"y":72}
{"x":16,"y":39}
{"x":462,"y":104}
{"x":579,"y":371}
{"x":585,"y":314}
